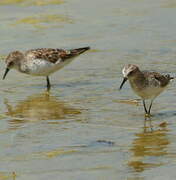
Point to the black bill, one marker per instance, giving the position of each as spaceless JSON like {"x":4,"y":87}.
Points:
{"x":123,"y":82}
{"x":6,"y":71}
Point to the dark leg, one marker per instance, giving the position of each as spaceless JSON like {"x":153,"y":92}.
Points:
{"x":48,"y":83}
{"x":144,"y":106}
{"x":150,"y":106}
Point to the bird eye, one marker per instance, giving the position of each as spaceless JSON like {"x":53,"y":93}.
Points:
{"x":10,"y":64}
{"x":130,"y":73}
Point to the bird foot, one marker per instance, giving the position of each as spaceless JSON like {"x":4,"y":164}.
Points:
{"x":147,"y":115}
{"x":47,"y":92}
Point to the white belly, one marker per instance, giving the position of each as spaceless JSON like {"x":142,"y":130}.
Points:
{"x":149,"y":92}
{"x":38,"y":67}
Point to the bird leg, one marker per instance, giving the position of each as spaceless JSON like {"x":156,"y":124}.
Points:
{"x":146,"y":112}
{"x":48,"y":83}
{"x":150,"y":106}
{"x":144,"y":106}
{"x":150,"y":127}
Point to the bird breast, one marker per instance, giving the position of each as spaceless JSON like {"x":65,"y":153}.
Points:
{"x":147,"y":92}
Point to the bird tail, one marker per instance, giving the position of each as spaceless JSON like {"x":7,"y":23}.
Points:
{"x":69,"y":54}
{"x":169,"y":77}
{"x":73,"y":53}
{"x":172,"y":79}
{"x":79,"y":50}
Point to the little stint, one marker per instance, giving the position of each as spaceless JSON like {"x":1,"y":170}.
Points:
{"x":41,"y":62}
{"x":147,"y":85}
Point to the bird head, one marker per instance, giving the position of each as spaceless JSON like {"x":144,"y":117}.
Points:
{"x":13,"y":61}
{"x":128,"y":72}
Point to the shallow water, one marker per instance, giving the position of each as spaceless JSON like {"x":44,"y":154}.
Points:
{"x":87,"y":129}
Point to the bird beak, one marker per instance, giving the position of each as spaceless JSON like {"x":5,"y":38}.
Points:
{"x":6,"y":71}
{"x":123,"y":82}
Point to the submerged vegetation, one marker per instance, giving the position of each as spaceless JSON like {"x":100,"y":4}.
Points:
{"x":42,"y":21}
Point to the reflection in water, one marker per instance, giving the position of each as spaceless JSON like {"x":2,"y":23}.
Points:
{"x":39,"y":107}
{"x":149,"y":143}
{"x":5,"y":176}
{"x":42,"y":20}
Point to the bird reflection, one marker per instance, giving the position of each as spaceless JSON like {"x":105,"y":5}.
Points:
{"x":38,"y":107}
{"x":148,"y":125}
{"x":149,"y":143}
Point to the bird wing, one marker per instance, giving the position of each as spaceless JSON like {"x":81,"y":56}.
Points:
{"x":54,"y":55}
{"x":48,"y":54}
{"x":163,"y":80}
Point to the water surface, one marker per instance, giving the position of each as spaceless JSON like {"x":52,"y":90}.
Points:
{"x":87,"y":129}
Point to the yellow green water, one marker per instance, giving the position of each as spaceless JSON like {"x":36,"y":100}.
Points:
{"x":86,"y":129}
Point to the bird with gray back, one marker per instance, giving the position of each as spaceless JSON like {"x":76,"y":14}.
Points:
{"x":147,"y":85}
